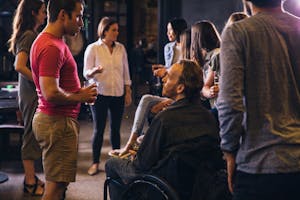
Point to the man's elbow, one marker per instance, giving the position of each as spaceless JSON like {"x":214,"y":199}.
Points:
{"x":18,"y":68}
{"x":50,"y":96}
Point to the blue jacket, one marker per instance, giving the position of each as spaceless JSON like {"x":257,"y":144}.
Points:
{"x":169,"y":53}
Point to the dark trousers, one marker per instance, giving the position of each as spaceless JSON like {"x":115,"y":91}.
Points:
{"x":266,"y":186}
{"x":114,"y":106}
{"x":120,"y":171}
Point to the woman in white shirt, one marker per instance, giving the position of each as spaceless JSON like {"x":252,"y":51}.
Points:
{"x":105,"y":61}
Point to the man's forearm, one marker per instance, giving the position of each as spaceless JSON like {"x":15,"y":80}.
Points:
{"x":61,"y":97}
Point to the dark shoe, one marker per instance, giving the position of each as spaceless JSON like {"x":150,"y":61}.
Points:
{"x":32,"y":189}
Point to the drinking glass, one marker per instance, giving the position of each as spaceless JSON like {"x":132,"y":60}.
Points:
{"x":88,"y":83}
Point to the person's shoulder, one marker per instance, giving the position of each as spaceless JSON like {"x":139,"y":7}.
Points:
{"x":93,"y":45}
{"x":165,"y":115}
{"x":243,"y":23}
{"x":182,"y":109}
{"x":170,"y":45}
{"x":96,"y":43}
{"x":49,"y":42}
{"x":241,"y":28}
{"x":177,"y":106}
{"x":30,"y":34}
{"x":47,"y":38}
{"x":119,"y":45}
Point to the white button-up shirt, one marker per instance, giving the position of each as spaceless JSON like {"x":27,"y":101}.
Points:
{"x":115,"y":72}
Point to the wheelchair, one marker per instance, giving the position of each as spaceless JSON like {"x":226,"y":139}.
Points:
{"x":144,"y":187}
{"x":193,"y":170}
{"x":151,"y":187}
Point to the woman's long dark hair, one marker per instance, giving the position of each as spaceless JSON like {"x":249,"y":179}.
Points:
{"x":178,"y":26}
{"x":204,"y":37}
{"x":185,"y":42}
{"x":24,"y":20}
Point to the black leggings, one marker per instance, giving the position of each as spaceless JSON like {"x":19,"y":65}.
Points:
{"x":115,"y":106}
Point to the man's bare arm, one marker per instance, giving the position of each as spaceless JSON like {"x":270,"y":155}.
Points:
{"x":53,"y":93}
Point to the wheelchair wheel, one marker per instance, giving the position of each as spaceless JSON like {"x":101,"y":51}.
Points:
{"x":149,"y":187}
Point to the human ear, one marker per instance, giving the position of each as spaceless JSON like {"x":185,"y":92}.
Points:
{"x":180,"y":88}
{"x":62,"y":14}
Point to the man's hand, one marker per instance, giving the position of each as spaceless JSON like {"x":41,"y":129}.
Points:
{"x":157,"y":66}
{"x":53,"y":93}
{"x":161,"y":72}
{"x":161,"y":105}
{"x":230,"y":160}
{"x":88,"y":94}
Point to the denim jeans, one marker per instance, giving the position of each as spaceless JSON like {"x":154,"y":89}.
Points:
{"x":142,"y":111}
{"x":266,"y":186}
{"x":115,"y":106}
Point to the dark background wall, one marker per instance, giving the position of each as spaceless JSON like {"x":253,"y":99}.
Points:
{"x":138,"y":18}
{"x":216,"y":11}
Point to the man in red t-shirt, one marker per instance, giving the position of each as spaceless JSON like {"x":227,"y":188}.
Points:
{"x":57,"y":83}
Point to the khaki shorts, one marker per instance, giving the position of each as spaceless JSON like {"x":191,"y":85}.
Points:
{"x":58,"y":139}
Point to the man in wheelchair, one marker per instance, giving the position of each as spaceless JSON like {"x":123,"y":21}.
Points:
{"x":181,"y":145}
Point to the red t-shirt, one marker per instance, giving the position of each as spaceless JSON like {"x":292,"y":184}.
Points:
{"x":51,"y":57}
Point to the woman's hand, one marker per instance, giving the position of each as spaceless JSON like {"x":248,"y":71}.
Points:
{"x":90,"y":73}
{"x":121,"y":152}
{"x":213,"y":91}
{"x":140,"y":139}
{"x":128,"y":98}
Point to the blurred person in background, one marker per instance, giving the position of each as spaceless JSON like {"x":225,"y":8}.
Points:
{"x":114,"y":83}
{"x":29,"y":16}
{"x":259,"y":103}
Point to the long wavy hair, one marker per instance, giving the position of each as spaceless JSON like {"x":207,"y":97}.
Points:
{"x":23,"y":20}
{"x":204,"y":37}
{"x":185,"y":43}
